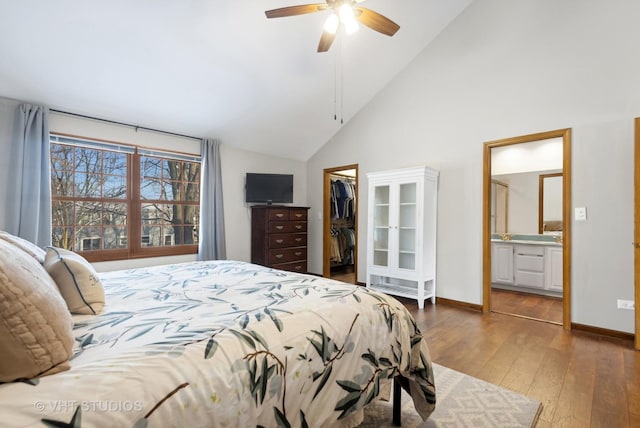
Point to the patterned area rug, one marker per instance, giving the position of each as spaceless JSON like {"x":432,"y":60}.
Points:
{"x":463,"y":401}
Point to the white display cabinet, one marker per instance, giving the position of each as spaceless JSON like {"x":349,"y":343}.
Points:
{"x":401,"y":236}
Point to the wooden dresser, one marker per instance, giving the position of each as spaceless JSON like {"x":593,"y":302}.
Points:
{"x":279,"y":237}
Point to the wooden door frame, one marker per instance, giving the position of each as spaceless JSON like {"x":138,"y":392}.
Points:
{"x":326,"y":220}
{"x":636,"y":233}
{"x":565,"y":134}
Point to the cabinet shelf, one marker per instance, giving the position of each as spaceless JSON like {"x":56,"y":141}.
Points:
{"x":408,"y":290}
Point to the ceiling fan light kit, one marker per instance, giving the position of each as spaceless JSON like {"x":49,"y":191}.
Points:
{"x":332,"y":23}
{"x":344,"y":13}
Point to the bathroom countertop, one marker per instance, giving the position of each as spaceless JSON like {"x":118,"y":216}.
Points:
{"x":520,"y":241}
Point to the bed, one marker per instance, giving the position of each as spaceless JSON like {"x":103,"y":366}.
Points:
{"x":226,"y":343}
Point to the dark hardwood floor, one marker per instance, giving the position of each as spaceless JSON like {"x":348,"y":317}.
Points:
{"x":344,"y":274}
{"x":582,"y":380}
{"x":527,"y":305}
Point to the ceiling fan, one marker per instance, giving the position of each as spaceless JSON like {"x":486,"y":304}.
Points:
{"x":343,"y":12}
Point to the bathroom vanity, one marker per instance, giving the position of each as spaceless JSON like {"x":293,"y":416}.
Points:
{"x":529,"y":265}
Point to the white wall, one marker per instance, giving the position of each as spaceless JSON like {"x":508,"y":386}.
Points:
{"x":235,"y":163}
{"x":8,"y":111}
{"x":504,"y":69}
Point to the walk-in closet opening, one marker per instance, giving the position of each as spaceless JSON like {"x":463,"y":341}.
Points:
{"x":340,"y":223}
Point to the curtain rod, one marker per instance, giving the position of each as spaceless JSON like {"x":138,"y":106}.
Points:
{"x":136,"y":127}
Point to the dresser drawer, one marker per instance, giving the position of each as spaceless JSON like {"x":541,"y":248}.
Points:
{"x":300,"y":266}
{"x":299,"y":214}
{"x":283,"y":255}
{"x":283,"y":240}
{"x":278,"y":214}
{"x":287,"y":226}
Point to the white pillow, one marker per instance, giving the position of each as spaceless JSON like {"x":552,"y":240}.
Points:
{"x":36,"y":336}
{"x":77,"y":280}
{"x":28,"y":247}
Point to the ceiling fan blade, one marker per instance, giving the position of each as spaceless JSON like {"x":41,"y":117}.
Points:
{"x":295,"y":10}
{"x":326,"y":40}
{"x":375,"y":21}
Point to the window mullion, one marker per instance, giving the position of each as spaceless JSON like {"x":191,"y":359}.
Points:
{"x":135,"y":204}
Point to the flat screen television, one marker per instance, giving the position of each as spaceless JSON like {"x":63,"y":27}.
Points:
{"x":269,"y":188}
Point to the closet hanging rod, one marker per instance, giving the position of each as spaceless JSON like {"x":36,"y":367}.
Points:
{"x":337,"y":174}
{"x":114,"y":122}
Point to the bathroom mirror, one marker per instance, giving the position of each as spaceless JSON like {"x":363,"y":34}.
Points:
{"x":499,"y":207}
{"x":550,"y":203}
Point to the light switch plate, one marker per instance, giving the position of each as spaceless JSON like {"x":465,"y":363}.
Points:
{"x":580,"y":214}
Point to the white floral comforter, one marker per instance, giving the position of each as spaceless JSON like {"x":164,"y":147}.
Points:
{"x":226,"y":344}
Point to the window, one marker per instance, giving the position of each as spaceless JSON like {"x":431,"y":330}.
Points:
{"x":93,"y":243}
{"x":113,"y":202}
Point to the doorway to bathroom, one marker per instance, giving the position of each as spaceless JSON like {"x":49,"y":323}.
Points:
{"x":526,"y":226}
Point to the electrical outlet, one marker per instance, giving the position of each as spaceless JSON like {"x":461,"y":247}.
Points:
{"x":626,"y":304}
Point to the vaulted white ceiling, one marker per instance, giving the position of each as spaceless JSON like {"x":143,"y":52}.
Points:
{"x":208,"y":68}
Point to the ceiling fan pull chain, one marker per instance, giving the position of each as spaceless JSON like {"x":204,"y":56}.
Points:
{"x":342,"y":42}
{"x":335,"y":87}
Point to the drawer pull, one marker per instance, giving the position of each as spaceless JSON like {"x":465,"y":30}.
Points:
{"x":298,"y":239}
{"x":298,"y":253}
{"x":298,"y":215}
{"x":279,"y":215}
{"x":279,"y":227}
{"x":298,"y":226}
{"x":298,"y":267}
{"x":279,"y":241}
{"x":279,"y":256}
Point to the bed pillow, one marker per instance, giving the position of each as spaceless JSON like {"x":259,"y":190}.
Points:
{"x":77,"y":280}
{"x":29,"y":247}
{"x":36,"y":335}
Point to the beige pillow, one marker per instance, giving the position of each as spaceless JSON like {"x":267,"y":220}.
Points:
{"x":29,"y":247}
{"x":76,"y":279}
{"x":36,"y":335}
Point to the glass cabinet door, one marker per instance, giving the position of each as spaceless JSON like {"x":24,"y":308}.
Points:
{"x":407,"y":226}
{"x":381,"y":226}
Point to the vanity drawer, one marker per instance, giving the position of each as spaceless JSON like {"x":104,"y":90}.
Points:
{"x":529,"y":263}
{"x":530,"y":279}
{"x":284,"y":240}
{"x":530,"y":250}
